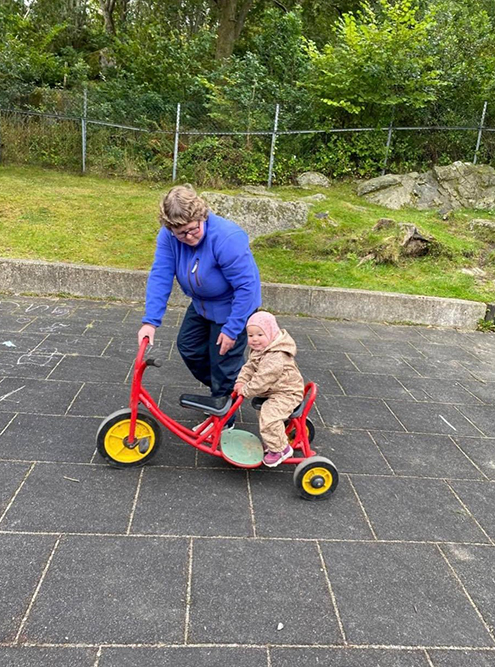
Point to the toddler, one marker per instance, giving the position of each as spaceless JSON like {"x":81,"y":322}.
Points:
{"x":271,"y":371}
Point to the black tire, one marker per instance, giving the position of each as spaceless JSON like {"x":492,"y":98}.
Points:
{"x":113,"y":430}
{"x":316,"y":478}
{"x":310,"y":427}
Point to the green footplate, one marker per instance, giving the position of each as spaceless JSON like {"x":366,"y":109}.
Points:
{"x":242,"y":448}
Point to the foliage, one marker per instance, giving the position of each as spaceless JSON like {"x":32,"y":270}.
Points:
{"x":380,"y":59}
{"x":328,"y":64}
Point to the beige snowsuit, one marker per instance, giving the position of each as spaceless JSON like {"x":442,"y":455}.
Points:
{"x":273,"y":372}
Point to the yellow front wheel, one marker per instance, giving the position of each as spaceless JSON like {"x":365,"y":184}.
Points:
{"x":316,"y":478}
{"x":112,"y":444}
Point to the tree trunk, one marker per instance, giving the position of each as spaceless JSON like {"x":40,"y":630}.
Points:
{"x":231,"y":17}
{"x":107,"y":7}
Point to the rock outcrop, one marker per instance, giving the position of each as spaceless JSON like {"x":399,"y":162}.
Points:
{"x":258,"y":215}
{"x":460,"y":184}
{"x":312,"y":179}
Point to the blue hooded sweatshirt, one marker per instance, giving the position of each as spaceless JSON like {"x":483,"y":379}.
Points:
{"x":219,"y":274}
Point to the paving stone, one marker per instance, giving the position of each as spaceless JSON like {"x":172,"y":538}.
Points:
{"x":338,"y":517}
{"x":92,"y":369}
{"x":169,"y":403}
{"x":440,"y":391}
{"x":342,"y":345}
{"x":327,"y":384}
{"x":11,"y":475}
{"x":193,"y":502}
{"x":351,"y":330}
{"x":74,"y":498}
{"x":454,"y":658}
{"x":14,"y":323}
{"x":5,"y":417}
{"x":352,"y":451}
{"x":308,"y":362}
{"x":444,"y":352}
{"x":104,"y":588}
{"x":91,"y":311}
{"x":20,"y":342}
{"x":47,"y":325}
{"x":174,"y":451}
{"x":401,"y":595}
{"x":438,"y":418}
{"x":106,"y":328}
{"x":372,"y":386}
{"x":449,"y":336}
{"x":481,"y":451}
{"x":172,"y":374}
{"x":126,"y":349}
{"x":485,"y":391}
{"x":479,"y":370}
{"x":479,"y":498}
{"x":483,"y":416}
{"x":184,"y":656}
{"x":101,"y":399}
{"x":346,"y":657}
{"x":112,"y":590}
{"x":408,"y":509}
{"x":33,"y":656}
{"x":378,"y":365}
{"x":398,"y":332}
{"x":37,"y":396}
{"x":358,"y":413}
{"x":400,"y":349}
{"x":425,"y":455}
{"x":73,"y":345}
{"x":475,"y":566}
{"x":29,"y":365}
{"x":48,"y":438}
{"x":24,"y":558}
{"x":244,"y":601}
{"x":444,"y":368}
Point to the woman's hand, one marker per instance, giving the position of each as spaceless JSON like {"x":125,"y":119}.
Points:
{"x":146,"y":330}
{"x":225,"y":343}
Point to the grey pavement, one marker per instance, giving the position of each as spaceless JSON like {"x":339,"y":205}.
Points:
{"x":189,"y":561}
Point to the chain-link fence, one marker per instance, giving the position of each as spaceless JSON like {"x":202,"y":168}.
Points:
{"x":215,"y":149}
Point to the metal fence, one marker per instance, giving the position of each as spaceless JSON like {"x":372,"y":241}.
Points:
{"x":168,"y":141}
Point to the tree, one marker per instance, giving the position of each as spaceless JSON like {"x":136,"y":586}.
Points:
{"x":381,"y":58}
{"x":231,"y":17}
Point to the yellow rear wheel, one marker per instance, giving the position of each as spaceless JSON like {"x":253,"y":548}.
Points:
{"x":316,"y":478}
{"x":112,"y":438}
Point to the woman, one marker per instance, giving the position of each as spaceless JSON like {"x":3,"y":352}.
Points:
{"x":213,"y":264}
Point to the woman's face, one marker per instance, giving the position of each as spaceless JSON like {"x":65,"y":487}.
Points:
{"x":190,"y":234}
{"x":257,"y":338}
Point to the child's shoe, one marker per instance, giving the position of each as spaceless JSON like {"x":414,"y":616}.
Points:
{"x":272,"y":459}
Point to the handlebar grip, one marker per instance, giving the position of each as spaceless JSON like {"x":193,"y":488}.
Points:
{"x":154,"y":362}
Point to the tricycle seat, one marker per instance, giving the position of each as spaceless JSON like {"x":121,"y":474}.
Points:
{"x":258,"y":401}
{"x":217,"y":406}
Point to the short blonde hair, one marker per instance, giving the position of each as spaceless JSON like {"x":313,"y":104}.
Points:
{"x":180,"y":206}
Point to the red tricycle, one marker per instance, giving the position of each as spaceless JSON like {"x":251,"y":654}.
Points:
{"x":131,"y":437}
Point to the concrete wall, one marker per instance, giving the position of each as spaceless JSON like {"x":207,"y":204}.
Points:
{"x":43,"y":278}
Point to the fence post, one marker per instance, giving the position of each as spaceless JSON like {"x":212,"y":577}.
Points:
{"x":480,"y":130}
{"x":83,"y":129}
{"x":272,"y":148}
{"x":176,"y":143}
{"x":389,"y":140}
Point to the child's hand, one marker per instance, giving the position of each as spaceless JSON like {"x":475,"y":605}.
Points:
{"x":237,"y":387}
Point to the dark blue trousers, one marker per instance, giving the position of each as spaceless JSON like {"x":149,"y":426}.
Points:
{"x":196,"y":343}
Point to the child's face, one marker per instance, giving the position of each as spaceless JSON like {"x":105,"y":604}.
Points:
{"x":257,"y":338}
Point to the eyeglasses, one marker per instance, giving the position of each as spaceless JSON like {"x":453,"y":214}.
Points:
{"x":183,"y":235}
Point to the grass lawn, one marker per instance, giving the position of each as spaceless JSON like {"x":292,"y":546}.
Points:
{"x":56,"y":216}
